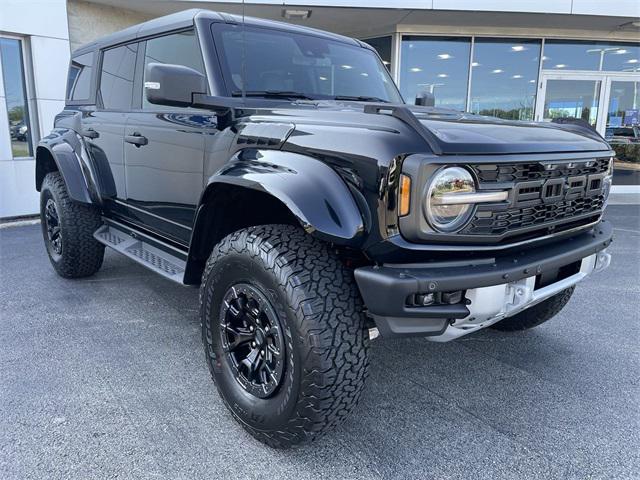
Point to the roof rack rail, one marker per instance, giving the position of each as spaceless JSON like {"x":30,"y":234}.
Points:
{"x":404,"y":113}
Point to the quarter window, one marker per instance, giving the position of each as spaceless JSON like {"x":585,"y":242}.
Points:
{"x":116,"y":77}
{"x":177,"y":49}
{"x":79,"y":80}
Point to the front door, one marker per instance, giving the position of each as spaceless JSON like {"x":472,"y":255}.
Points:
{"x":164,"y":147}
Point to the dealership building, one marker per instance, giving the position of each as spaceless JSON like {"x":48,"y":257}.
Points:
{"x":521,"y":60}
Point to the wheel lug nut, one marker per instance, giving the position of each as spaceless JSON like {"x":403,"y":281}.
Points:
{"x":262,"y":353}
{"x":251,"y":328}
{"x":266,"y":329}
{"x":253,"y":344}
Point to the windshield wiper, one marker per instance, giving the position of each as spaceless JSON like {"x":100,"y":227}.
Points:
{"x":360,"y":98}
{"x":272,"y":94}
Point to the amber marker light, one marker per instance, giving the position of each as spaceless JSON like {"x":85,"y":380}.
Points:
{"x":405,"y":194}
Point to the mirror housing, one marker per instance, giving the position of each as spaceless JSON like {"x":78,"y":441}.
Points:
{"x":173,"y":85}
{"x":426,"y":99}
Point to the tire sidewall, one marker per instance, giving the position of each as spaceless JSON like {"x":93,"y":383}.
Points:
{"x":273,"y":412}
{"x":46,"y":194}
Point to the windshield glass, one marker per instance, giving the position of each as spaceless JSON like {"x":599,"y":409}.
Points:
{"x":303,"y":66}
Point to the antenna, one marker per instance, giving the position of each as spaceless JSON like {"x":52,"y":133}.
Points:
{"x":243,"y":70}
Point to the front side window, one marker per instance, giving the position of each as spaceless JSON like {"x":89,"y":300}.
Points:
{"x":16,"y":97}
{"x":177,"y":49}
{"x":504,"y":78}
{"x":116,"y":77}
{"x":79,"y":79}
{"x":436,"y":65}
{"x":269,"y":60}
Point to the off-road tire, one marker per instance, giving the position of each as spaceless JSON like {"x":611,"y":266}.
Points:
{"x":536,"y":315}
{"x":81,"y":254}
{"x":321,"y":311}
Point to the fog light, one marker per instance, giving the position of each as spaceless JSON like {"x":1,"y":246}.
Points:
{"x":425,"y":299}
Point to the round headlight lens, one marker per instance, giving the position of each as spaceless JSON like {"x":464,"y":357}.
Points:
{"x":442,"y":211}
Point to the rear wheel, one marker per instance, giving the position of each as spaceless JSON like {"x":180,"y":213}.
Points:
{"x":67,"y":229}
{"x":284,"y":333}
{"x":536,"y":315}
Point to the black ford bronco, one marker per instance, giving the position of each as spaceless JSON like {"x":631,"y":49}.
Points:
{"x":279,"y":168}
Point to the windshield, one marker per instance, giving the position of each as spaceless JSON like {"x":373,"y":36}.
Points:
{"x":288,"y":64}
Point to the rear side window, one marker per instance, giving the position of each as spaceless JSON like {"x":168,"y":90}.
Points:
{"x":116,"y":77}
{"x":79,"y":80}
{"x":177,"y":49}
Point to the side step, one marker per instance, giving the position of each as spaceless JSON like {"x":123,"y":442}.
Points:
{"x":139,"y":248}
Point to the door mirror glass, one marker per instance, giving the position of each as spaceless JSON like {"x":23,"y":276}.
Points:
{"x":426,"y":99}
{"x":172,"y":85}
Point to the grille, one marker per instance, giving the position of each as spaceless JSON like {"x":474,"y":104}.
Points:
{"x":522,"y":172}
{"x":500,"y":222}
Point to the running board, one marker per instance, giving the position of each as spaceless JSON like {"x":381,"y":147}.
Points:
{"x":141,"y":251}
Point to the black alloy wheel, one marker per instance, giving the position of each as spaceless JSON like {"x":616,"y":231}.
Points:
{"x":52,"y":225}
{"x":252,"y":339}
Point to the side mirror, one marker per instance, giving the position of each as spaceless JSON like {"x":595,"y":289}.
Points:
{"x":426,"y":99}
{"x":173,"y":85}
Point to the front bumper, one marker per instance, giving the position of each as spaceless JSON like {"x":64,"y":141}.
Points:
{"x":493,"y":287}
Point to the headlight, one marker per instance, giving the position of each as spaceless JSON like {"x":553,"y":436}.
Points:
{"x":447,"y":207}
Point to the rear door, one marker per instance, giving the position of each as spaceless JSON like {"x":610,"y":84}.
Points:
{"x":103,"y":128}
{"x":164,"y":146}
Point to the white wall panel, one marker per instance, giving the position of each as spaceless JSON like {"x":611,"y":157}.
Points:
{"x":18,"y":195}
{"x":47,"y":18}
{"x":622,"y":8}
{"x":50,"y":63}
{"x":47,"y":110}
{"x":533,"y":6}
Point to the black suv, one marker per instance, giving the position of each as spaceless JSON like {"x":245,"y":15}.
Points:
{"x":279,"y":168}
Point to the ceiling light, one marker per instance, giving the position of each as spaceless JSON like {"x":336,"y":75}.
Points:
{"x":475,"y":64}
{"x":364,"y":74}
{"x":532,"y":81}
{"x":295,"y":14}
{"x":347,"y":67}
{"x":415,"y":69}
{"x":444,"y":56}
{"x":544,"y":57}
{"x":517,"y":48}
{"x":497,"y":70}
{"x":322,"y":78}
{"x":560,"y":65}
{"x":633,"y":60}
{"x":622,"y":51}
{"x":442,"y":75}
{"x":516,"y":76}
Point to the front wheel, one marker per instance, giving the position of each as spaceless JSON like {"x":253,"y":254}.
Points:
{"x":284,"y":333}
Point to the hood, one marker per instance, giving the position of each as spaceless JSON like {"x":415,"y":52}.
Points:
{"x":463,"y":134}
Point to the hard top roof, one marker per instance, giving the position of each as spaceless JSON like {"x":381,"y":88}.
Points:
{"x":186,"y":18}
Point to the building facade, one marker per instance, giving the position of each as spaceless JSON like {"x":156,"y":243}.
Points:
{"x":527,"y":60}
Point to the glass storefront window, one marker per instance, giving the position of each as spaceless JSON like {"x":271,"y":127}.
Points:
{"x":623,"y":130}
{"x":599,"y":56}
{"x":504,"y":78}
{"x":438,"y":65}
{"x":16,"y":97}
{"x":577,"y":99}
{"x":383,"y":47}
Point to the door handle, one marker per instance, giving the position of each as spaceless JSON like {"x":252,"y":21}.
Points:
{"x":136,"y":139}
{"x":89,"y":133}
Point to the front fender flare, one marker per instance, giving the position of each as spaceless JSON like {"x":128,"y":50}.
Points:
{"x":314,"y":193}
{"x":64,"y":147}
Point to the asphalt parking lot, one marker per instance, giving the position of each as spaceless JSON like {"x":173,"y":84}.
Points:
{"x":105,"y":378}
